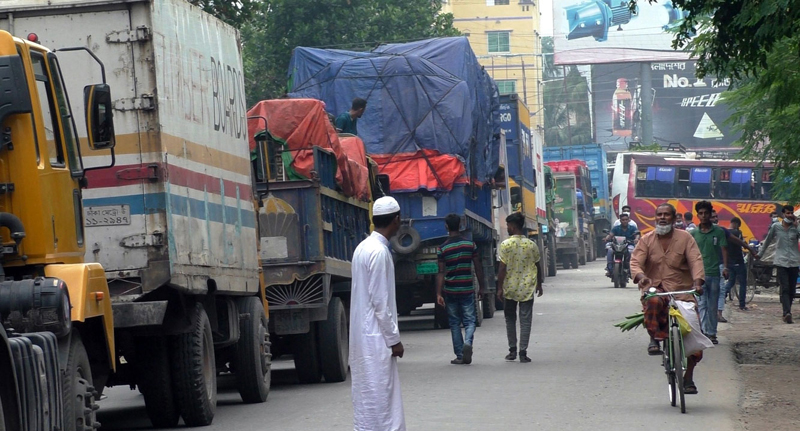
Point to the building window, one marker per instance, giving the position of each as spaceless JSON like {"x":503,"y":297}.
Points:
{"x":507,"y":86}
{"x":496,"y":2}
{"x":499,"y":41}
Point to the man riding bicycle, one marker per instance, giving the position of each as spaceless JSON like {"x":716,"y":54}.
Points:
{"x":669,"y":259}
{"x":624,"y":228}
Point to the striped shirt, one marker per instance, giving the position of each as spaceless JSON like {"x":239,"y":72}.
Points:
{"x":457,"y":253}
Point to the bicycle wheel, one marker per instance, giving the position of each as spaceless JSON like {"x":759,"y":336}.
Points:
{"x":667,"y":357}
{"x":750,"y":293}
{"x":678,"y":360}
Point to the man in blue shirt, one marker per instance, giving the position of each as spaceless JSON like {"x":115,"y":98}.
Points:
{"x":626,"y":229}
{"x":347,"y":122}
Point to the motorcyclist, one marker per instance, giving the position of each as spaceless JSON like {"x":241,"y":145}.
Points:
{"x":626,"y":229}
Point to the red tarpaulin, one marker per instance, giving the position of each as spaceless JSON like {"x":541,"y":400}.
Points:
{"x":425,"y":169}
{"x":303,"y":124}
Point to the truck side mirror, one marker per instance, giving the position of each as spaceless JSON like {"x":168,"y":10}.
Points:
{"x":99,"y":118}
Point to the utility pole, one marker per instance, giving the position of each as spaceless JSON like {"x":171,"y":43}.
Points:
{"x":567,"y":104}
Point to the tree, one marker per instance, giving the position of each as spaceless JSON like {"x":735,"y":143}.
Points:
{"x":754,"y":44}
{"x":567,"y":119}
{"x":233,"y":12}
{"x":279,"y":26}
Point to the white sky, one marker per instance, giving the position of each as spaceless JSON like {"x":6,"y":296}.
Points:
{"x":546,"y":9}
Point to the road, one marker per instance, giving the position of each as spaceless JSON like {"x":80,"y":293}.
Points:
{"x":585,"y":375}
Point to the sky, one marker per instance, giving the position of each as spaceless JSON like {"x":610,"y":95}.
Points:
{"x":546,"y":9}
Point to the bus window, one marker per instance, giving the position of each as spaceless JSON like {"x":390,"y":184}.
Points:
{"x":683,"y":182}
{"x":699,"y":183}
{"x":739,"y":186}
{"x":722,"y":185}
{"x":655,"y":181}
{"x":766,"y":184}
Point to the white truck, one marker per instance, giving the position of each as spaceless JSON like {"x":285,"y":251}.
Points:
{"x":173,"y":222}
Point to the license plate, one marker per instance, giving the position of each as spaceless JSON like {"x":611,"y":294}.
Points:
{"x":109,"y":215}
{"x":290,"y":321}
{"x":427,"y":268}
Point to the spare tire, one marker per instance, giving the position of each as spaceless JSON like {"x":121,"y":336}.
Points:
{"x":406,"y":241}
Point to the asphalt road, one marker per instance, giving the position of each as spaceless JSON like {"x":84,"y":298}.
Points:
{"x":585,"y":375}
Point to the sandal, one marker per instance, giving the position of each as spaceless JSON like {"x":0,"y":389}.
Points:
{"x":689,"y":388}
{"x":654,"y":349}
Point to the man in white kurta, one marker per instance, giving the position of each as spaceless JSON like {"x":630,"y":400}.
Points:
{"x":374,"y":335}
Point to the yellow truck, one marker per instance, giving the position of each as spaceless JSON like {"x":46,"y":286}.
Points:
{"x":57,"y":325}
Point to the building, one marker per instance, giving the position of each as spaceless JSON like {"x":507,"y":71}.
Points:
{"x":505,"y":36}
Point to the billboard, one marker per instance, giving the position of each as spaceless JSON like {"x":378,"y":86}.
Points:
{"x":686,"y":110}
{"x":606,"y":31}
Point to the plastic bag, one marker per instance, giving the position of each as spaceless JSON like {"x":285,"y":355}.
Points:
{"x":694,"y":341}
{"x":682,"y":323}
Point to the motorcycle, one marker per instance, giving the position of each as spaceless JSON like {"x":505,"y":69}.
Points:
{"x":620,"y":272}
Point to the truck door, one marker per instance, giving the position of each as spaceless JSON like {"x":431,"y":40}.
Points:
{"x":115,"y":204}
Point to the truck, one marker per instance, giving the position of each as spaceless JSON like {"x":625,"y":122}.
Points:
{"x":595,"y":158}
{"x":439,"y":151}
{"x":583,"y":187}
{"x":310,"y":225}
{"x":56,"y":324}
{"x":525,"y":173}
{"x":170,"y":224}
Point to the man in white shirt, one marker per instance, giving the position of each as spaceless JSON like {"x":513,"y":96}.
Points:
{"x":374,"y":335}
{"x":626,"y":210}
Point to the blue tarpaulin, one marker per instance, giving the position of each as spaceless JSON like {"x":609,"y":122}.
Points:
{"x":428,"y":95}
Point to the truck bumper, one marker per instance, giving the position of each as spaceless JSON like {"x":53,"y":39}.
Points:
{"x":133,"y":314}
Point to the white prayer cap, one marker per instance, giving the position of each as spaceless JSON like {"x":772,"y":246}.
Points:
{"x":385,"y":205}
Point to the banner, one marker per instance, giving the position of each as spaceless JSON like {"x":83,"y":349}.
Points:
{"x":686,"y":110}
{"x":606,"y":31}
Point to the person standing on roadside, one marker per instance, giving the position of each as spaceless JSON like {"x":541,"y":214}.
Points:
{"x":787,"y":257}
{"x":710,"y":240}
{"x":517,"y":279}
{"x":347,"y":122}
{"x":455,"y":289}
{"x":374,"y":335}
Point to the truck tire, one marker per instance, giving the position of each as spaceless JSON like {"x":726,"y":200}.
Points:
{"x":77,"y":389}
{"x":406,"y":241}
{"x":489,"y":305}
{"x":574,"y":260}
{"x":582,"y":255}
{"x":552,"y":264}
{"x":155,"y":381}
{"x":253,"y":357}
{"x":2,"y":417}
{"x":306,"y":356}
{"x":478,"y":313}
{"x":194,"y":371}
{"x":440,"y":319}
{"x":334,"y":343}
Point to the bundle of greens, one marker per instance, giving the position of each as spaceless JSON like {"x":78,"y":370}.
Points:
{"x":631,"y":322}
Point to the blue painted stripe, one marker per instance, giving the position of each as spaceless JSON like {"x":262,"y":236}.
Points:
{"x":152,"y":203}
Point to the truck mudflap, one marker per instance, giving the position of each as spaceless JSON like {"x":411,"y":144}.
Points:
{"x":133,"y":314}
{"x":35,"y":359}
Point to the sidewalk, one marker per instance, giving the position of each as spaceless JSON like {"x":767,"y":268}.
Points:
{"x":768,"y":355}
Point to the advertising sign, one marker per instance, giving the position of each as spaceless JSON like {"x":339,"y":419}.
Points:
{"x":686,"y":110}
{"x":607,"y":31}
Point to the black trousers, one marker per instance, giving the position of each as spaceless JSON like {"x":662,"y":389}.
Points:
{"x":787,"y":278}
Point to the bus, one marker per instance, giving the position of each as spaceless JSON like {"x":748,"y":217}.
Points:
{"x":735,"y":188}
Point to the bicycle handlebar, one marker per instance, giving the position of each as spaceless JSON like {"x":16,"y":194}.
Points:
{"x":679,"y":292}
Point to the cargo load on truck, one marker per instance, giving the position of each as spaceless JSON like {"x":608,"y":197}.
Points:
{"x":299,"y":125}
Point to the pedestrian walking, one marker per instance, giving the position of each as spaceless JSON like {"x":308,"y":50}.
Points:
{"x":517,"y":279}
{"x":710,"y":240}
{"x":455,"y":289}
{"x":738,"y":269}
{"x":374,"y":335}
{"x":787,"y":257}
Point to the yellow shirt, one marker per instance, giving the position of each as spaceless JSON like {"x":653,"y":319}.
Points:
{"x":520,"y":256}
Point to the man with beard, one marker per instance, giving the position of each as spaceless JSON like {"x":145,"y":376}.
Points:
{"x":669,"y":259}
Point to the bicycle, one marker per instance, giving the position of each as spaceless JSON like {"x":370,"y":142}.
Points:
{"x":673,"y":349}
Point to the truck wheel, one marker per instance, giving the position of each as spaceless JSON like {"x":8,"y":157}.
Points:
{"x":590,"y":252}
{"x":77,"y":389}
{"x":440,"y":319}
{"x":582,"y":255}
{"x":489,"y":305}
{"x":574,"y":260}
{"x":155,"y":381}
{"x":2,"y":417}
{"x":253,"y":357}
{"x":194,"y":371}
{"x":478,"y":313}
{"x":306,"y":356}
{"x":552,"y":264}
{"x":334,"y":343}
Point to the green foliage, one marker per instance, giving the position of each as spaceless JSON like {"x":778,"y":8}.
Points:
{"x":279,"y":26}
{"x":567,"y":119}
{"x":233,"y":12}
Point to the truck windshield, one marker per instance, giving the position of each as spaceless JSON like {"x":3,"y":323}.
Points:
{"x":67,"y":121}
{"x":55,"y":149}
